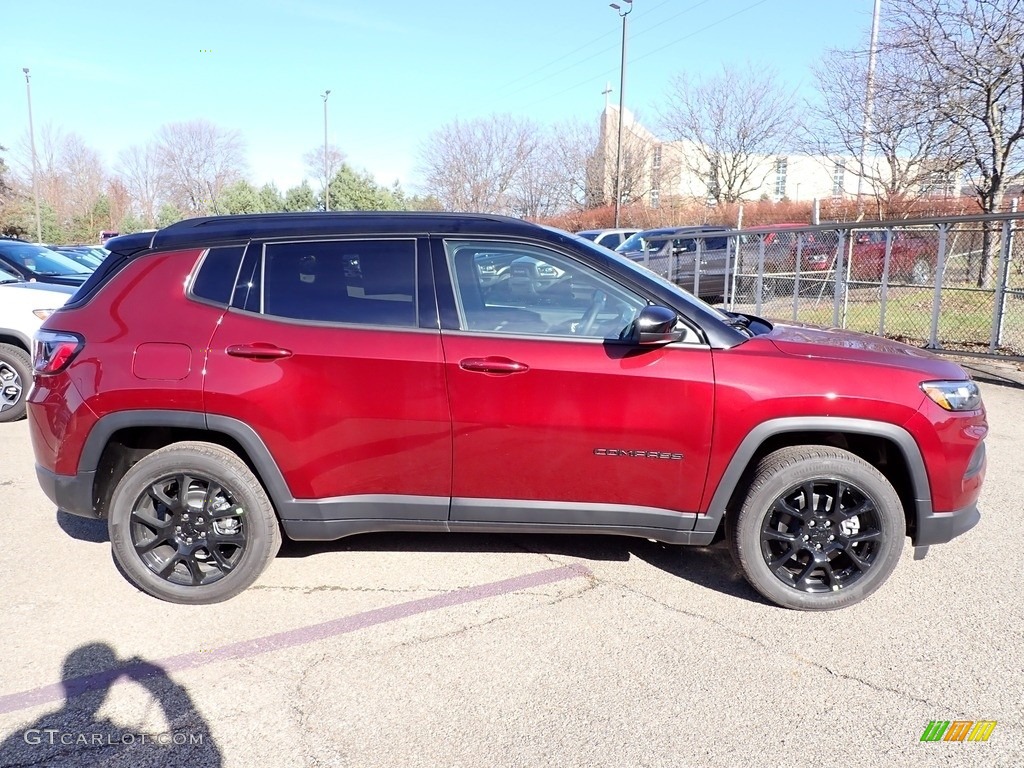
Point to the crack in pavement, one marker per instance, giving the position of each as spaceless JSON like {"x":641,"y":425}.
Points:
{"x":591,"y":584}
{"x":762,"y":644}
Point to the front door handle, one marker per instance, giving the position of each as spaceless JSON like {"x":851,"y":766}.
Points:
{"x":498,"y":365}
{"x":258,"y":351}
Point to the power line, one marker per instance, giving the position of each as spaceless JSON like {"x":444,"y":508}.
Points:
{"x":542,"y":68}
{"x":702,"y":29}
{"x":587,"y":45}
{"x":609,"y":72}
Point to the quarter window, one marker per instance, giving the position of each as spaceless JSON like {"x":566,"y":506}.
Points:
{"x":522,"y":289}
{"x":217,"y":274}
{"x":364,"y":282}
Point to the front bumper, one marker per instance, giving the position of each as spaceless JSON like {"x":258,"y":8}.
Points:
{"x":71,"y":493}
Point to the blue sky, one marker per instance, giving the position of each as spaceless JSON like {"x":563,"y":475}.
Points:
{"x":114,"y":71}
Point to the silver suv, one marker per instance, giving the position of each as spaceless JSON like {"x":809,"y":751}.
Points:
{"x":23,"y":307}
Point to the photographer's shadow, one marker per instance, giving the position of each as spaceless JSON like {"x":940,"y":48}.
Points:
{"x":76,"y":735}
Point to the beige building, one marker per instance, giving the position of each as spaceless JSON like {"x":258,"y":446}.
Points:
{"x":654,"y":170}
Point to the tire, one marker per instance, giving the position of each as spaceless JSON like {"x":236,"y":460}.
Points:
{"x":921,"y":273}
{"x":821,"y":559}
{"x":162,"y":544}
{"x":15,"y":378}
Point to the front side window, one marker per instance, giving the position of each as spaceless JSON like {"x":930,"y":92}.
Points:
{"x":362,"y":282}
{"x":523,"y":289}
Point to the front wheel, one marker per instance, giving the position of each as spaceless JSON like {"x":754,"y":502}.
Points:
{"x":820,"y":529}
{"x":190,"y":523}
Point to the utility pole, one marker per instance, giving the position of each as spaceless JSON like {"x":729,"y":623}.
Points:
{"x":869,"y":106}
{"x":623,"y":13}
{"x":35,"y":170}
{"x":327,"y":171}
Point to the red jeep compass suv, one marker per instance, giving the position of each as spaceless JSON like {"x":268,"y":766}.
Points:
{"x":227,"y":379}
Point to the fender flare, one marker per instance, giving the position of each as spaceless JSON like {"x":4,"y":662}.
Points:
{"x":242,"y":433}
{"x":903,"y":440}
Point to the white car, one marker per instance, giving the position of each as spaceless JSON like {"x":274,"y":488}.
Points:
{"x":609,"y":238}
{"x":23,"y":307}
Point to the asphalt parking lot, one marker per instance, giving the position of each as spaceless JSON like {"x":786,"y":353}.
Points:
{"x":476,"y":650}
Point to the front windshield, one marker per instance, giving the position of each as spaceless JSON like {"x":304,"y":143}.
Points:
{"x":43,"y":261}
{"x":82,"y":257}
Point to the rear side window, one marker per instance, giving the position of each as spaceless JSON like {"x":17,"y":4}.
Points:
{"x":362,"y":282}
{"x":218,"y":274}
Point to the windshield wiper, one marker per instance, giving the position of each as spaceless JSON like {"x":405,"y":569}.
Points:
{"x":740,"y":323}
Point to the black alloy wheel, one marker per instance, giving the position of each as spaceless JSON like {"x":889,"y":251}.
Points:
{"x":191,"y":523}
{"x":822,"y":536}
{"x":189,"y":529}
{"x":820,"y":528}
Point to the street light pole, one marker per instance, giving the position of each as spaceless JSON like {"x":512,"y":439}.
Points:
{"x":869,"y":105}
{"x":327,"y":177}
{"x":35,"y":172}
{"x":623,"y":12}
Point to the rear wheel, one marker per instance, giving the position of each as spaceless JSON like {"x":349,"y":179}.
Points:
{"x":190,"y":523}
{"x":15,"y":378}
{"x":820,"y":529}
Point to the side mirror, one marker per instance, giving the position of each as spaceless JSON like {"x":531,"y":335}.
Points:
{"x":654,"y":325}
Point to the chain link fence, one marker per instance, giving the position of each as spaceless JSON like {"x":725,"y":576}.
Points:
{"x":951,"y":284}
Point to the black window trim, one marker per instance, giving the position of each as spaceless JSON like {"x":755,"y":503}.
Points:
{"x":450,"y":303}
{"x":190,"y":282}
{"x":255,"y":257}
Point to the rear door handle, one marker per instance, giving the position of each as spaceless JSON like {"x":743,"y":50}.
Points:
{"x":258,"y":351}
{"x":498,"y":365}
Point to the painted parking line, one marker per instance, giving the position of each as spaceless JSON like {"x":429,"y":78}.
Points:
{"x":289,"y":639}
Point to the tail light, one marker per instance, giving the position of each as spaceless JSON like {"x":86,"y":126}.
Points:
{"x":53,"y":351}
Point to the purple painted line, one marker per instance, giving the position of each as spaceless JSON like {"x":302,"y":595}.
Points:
{"x":291,"y":638}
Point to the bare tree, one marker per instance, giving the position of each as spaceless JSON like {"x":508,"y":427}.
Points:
{"x":84,"y":174}
{"x":573,"y":160}
{"x":474,"y":165}
{"x":732,"y":122}
{"x":907,"y":146}
{"x":139,"y":169}
{"x":71,"y":179}
{"x":315,"y":168}
{"x":536,"y":193}
{"x":198,"y":161}
{"x":968,"y":58}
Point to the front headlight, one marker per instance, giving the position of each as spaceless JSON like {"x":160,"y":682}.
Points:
{"x":954,"y":395}
{"x":42,"y":314}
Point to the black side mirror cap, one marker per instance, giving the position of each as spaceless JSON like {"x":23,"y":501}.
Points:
{"x":654,"y":325}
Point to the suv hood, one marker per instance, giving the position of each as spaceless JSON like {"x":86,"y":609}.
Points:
{"x":838,"y":344}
